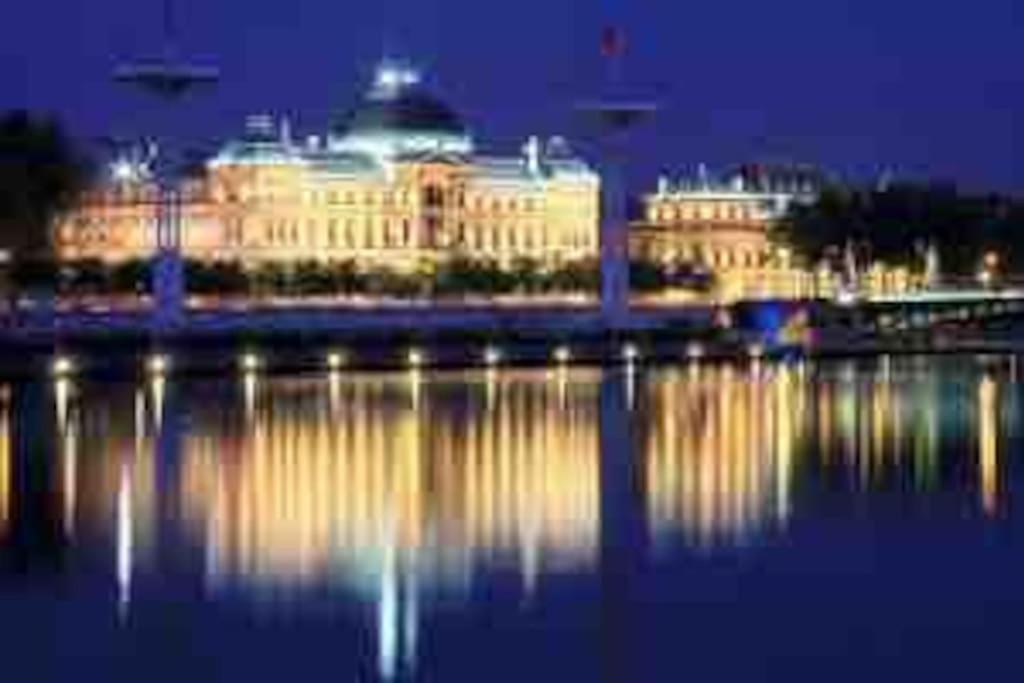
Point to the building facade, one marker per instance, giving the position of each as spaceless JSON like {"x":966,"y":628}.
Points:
{"x":396,"y":183}
{"x":721,"y":226}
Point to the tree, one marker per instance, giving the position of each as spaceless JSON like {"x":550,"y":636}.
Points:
{"x":131,"y":277}
{"x":526,"y":275}
{"x":89,"y":276}
{"x":41,"y":175}
{"x":346,"y":277}
{"x":576,"y":276}
{"x":646,"y":276}
{"x":897,"y":223}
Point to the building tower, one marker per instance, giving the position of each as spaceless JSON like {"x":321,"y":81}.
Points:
{"x":171,"y":79}
{"x":610,"y":117}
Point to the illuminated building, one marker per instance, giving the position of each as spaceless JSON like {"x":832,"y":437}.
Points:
{"x":722,"y":227}
{"x":398,"y":182}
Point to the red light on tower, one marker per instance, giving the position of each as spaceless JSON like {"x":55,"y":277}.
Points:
{"x":613,"y":42}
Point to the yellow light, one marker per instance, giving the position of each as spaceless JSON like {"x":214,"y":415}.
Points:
{"x":415,"y":358}
{"x":249,"y":362}
{"x":562,"y":354}
{"x":988,"y":445}
{"x":694,"y":351}
{"x":158,"y":364}
{"x":335,"y":360}
{"x":492,"y":355}
{"x":62,"y":366}
{"x":630,"y":353}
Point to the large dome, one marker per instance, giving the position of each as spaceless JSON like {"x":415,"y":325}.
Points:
{"x":411,"y":111}
{"x":397,"y":117}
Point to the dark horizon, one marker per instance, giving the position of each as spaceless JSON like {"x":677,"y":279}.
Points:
{"x":858,"y":88}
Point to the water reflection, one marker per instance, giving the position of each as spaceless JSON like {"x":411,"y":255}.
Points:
{"x":394,"y":486}
{"x":386,"y":470}
{"x":719,"y":451}
{"x":403,"y":490}
{"x":5,"y":463}
{"x":987,"y":446}
{"x":723,"y":446}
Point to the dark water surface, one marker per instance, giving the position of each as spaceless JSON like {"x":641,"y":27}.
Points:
{"x":800,"y":522}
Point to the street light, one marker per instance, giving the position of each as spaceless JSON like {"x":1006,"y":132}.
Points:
{"x":989,"y":268}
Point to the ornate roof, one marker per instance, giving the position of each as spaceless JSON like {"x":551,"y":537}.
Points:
{"x":399,"y":116}
{"x":410,"y":111}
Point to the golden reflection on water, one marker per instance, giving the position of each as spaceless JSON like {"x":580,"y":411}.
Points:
{"x":397,"y":470}
{"x":987,"y":444}
{"x":5,"y":463}
{"x":722,"y":446}
{"x":394,"y":486}
{"x":719,"y":451}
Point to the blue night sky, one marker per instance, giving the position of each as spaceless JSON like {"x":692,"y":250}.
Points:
{"x":925,"y":88}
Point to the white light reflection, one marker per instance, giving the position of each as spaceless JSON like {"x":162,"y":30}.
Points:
{"x":630,"y":386}
{"x":250,"y":385}
{"x":124,"y":542}
{"x":334,"y":392}
{"x":397,"y":611}
{"x":158,"y":389}
{"x":68,"y":436}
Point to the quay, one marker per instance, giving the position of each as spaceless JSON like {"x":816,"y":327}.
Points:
{"x":297,"y":337}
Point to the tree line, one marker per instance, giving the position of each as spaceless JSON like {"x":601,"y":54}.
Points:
{"x":898,"y":223}
{"x":452,"y":277}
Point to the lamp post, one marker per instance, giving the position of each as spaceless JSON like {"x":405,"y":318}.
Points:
{"x":170,"y":79}
{"x":989,"y":269}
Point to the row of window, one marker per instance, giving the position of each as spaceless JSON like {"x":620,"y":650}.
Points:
{"x":713,"y":212}
{"x":716,"y":257}
{"x":370,"y":234}
{"x":386,"y":233}
{"x":431,"y":197}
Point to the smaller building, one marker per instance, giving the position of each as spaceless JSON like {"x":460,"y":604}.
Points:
{"x":721,"y":226}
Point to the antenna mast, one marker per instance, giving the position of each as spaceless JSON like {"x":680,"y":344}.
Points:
{"x":169,"y":79}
